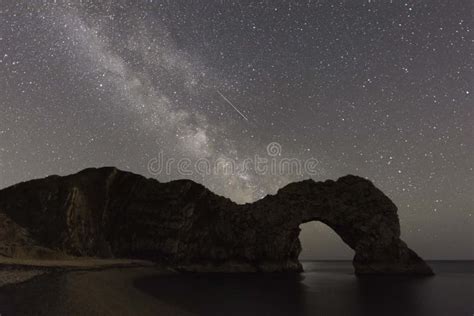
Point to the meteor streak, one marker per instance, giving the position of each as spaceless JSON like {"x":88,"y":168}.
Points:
{"x":232,"y":105}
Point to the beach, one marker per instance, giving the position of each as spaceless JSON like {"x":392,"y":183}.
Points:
{"x":326,"y":288}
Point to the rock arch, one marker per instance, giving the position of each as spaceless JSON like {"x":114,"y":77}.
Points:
{"x":364,"y":218}
{"x":110,"y":213}
{"x":320,"y":242}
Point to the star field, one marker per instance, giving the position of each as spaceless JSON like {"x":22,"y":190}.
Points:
{"x":381,"y":89}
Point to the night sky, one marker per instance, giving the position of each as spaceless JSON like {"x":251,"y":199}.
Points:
{"x":380,"y":89}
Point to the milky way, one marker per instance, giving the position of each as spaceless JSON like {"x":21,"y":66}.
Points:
{"x":381,"y":89}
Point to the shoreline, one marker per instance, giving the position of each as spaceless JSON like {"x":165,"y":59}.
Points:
{"x":105,"y":289}
{"x":15,"y":271}
{"x":100,"y":289}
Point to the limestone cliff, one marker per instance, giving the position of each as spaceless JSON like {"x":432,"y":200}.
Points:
{"x":111,"y":213}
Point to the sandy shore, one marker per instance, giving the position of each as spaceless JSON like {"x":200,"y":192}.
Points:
{"x":11,"y":276}
{"x":73,"y":263}
{"x":80,"y":287}
{"x":20,"y":270}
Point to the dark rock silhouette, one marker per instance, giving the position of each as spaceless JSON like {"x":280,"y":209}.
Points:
{"x":111,"y":213}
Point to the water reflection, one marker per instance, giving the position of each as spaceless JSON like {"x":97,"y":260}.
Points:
{"x":329,"y":288}
{"x":230,"y":294}
{"x":326,"y":288}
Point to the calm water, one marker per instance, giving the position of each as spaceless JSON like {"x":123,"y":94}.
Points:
{"x":326,"y":288}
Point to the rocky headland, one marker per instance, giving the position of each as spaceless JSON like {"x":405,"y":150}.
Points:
{"x":109,"y":213}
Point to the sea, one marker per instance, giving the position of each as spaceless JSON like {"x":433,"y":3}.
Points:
{"x":325,"y":288}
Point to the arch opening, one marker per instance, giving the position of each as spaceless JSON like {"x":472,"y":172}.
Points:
{"x":320,"y":242}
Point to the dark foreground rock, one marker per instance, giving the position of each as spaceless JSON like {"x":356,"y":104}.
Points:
{"x":111,"y":213}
